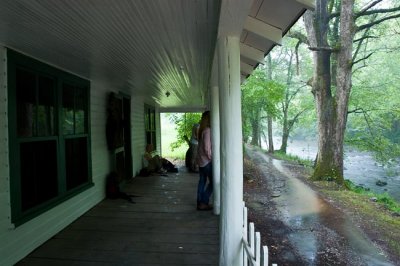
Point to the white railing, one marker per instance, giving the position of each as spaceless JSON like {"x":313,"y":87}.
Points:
{"x":252,"y":244}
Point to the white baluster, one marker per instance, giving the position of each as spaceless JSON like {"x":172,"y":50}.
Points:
{"x":265,"y":251}
{"x":257,"y":256}
{"x":245,"y":235}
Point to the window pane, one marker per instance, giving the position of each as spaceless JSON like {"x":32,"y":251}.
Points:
{"x":152,"y":120}
{"x":80,"y":110}
{"x":38,"y":173}
{"x":68,"y":109}
{"x":120,"y":165}
{"x":45,"y":107}
{"x":76,"y":162}
{"x":147,"y":120}
{"x":26,"y":103}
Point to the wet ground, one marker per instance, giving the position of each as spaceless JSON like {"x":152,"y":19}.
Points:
{"x":300,"y":227}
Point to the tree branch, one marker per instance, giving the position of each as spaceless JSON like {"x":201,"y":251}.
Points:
{"x":355,"y":70}
{"x":366,"y":12}
{"x":356,"y":111}
{"x":295,"y":119}
{"x":366,"y":32}
{"x":368,"y":25}
{"x":296,"y":50}
{"x":297,"y":35}
{"x":326,"y":49}
{"x":366,"y":57}
{"x":377,"y":11}
{"x":364,"y":38}
{"x":365,"y":9}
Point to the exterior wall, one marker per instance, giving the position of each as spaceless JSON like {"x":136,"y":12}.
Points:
{"x":138,"y":133}
{"x":17,"y":242}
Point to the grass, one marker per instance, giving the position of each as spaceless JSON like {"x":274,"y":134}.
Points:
{"x":385,"y":199}
{"x":292,"y":158}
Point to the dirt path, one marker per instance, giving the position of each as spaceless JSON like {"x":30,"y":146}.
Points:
{"x":300,"y":227}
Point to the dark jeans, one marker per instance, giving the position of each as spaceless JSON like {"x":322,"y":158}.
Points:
{"x":204,"y":190}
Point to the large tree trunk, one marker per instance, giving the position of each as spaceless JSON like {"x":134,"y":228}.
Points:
{"x":285,"y":131}
{"x":255,"y":128}
{"x":343,"y":76}
{"x":331,"y":110}
{"x":285,"y":108}
{"x":326,"y":166}
{"x":270,"y":137}
{"x":269,"y":117}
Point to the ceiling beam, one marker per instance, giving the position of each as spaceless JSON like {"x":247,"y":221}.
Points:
{"x":232,"y":16}
{"x":246,"y":68}
{"x":252,"y":53}
{"x":309,"y":4}
{"x":263,"y":29}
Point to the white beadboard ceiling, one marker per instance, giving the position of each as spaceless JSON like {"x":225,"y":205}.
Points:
{"x":147,"y":47}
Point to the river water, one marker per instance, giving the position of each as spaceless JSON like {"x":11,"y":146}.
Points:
{"x":359,"y":167}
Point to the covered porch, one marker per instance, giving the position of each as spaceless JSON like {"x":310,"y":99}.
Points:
{"x":163,"y":227}
{"x":59,"y":63}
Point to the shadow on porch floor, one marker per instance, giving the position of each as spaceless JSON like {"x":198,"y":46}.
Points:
{"x":161,"y":228}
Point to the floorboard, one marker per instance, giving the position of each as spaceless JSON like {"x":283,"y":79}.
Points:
{"x":162,"y":227}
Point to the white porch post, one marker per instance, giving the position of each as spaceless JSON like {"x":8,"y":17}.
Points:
{"x":231,"y":152}
{"x":215,"y":135}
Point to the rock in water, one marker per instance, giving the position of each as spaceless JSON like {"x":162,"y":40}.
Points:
{"x":381,"y":183}
{"x":276,"y":193}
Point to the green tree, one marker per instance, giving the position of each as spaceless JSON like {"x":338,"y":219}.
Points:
{"x":284,"y":65}
{"x":260,"y":97}
{"x":183,"y":124}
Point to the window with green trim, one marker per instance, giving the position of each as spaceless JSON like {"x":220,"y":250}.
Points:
{"x":150,"y":125}
{"x":49,"y":136}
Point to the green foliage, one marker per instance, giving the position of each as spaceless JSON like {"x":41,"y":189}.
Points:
{"x":168,"y":136}
{"x":183,"y":124}
{"x":374,"y":109}
{"x":260,"y":97}
{"x":292,"y":66}
{"x":260,"y":92}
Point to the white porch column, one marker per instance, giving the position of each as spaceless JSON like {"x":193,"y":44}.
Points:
{"x":231,"y":152}
{"x":215,"y":135}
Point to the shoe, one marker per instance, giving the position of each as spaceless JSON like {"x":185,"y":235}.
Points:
{"x":204,"y":207}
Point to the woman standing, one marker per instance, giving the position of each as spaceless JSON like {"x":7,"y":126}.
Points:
{"x":204,"y":189}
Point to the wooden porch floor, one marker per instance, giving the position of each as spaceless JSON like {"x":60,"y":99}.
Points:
{"x":161,"y":228}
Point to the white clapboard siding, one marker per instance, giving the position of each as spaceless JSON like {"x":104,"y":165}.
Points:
{"x":138,"y":134}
